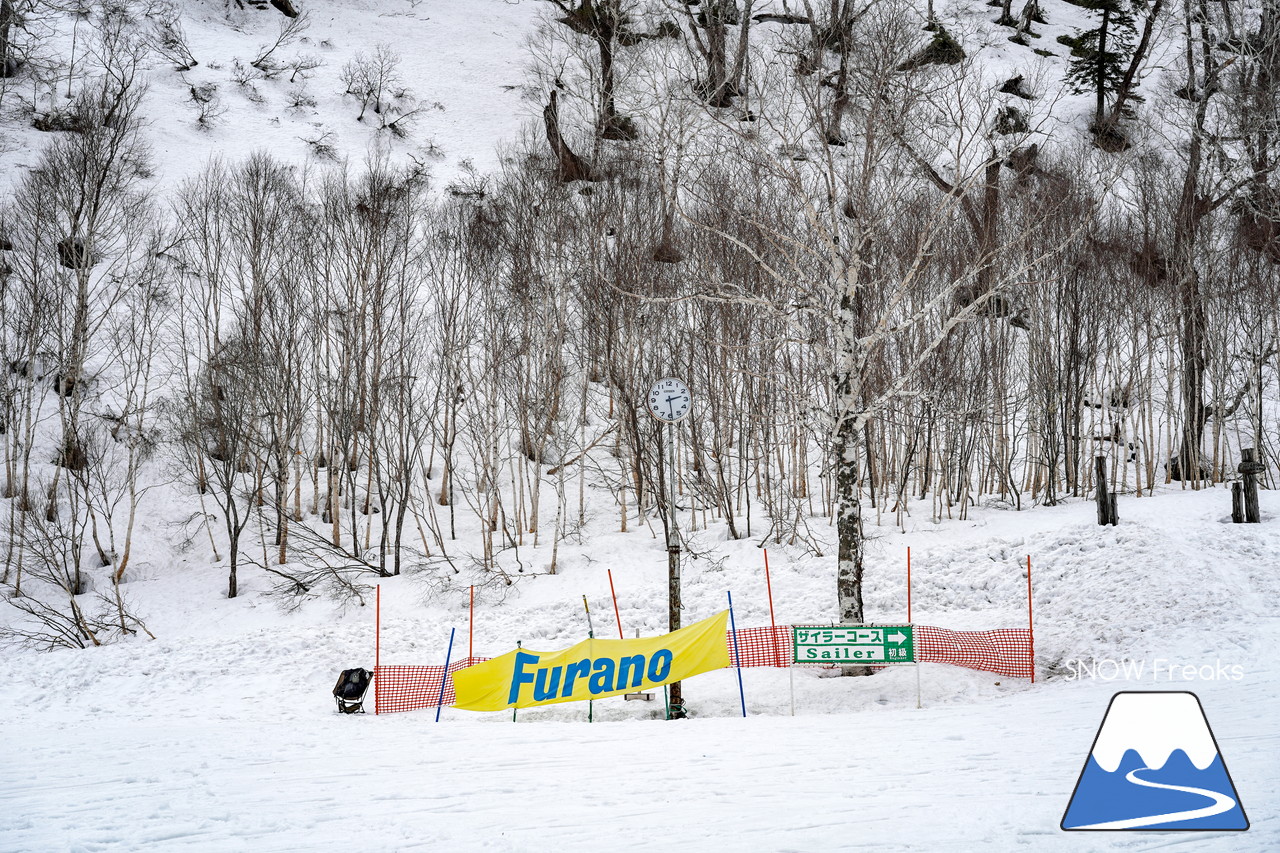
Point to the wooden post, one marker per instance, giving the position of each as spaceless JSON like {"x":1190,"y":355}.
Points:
{"x":1250,"y":467}
{"x":1100,"y":487}
{"x":1237,"y":503}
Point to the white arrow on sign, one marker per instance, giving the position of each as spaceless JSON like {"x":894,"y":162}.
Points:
{"x":897,"y":637}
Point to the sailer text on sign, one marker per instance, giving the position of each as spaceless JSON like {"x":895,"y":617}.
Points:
{"x":875,"y":644}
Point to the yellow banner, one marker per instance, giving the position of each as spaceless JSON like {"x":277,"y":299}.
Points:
{"x":592,"y":669}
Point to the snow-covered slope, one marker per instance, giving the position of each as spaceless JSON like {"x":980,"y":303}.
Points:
{"x":221,"y":735}
{"x":462,"y":69}
{"x":461,"y":64}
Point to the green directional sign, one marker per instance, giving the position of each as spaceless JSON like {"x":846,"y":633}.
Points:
{"x":846,"y":644}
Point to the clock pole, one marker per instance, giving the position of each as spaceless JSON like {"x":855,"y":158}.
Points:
{"x":669,"y":402}
{"x":673,"y":562}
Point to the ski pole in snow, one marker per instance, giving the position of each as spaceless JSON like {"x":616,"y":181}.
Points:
{"x":445,"y":676}
{"x":737,"y":656}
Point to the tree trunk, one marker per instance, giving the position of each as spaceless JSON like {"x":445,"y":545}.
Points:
{"x":234,"y":552}
{"x":989,"y":223}
{"x":840,"y":103}
{"x":1099,"y":111}
{"x":604,"y":43}
{"x":8,"y":65}
{"x":848,"y":523}
{"x":571,"y":166}
{"x":715,"y":86}
{"x":1191,"y":315}
{"x":1125,"y":90}
{"x":845,"y":450}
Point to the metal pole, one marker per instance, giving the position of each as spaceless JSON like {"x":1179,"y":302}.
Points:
{"x":591,"y":635}
{"x":377,"y":645}
{"x":673,"y":563}
{"x":519,"y":644}
{"x":918,"y":705}
{"x":737,"y":655}
{"x":444,"y":678}
{"x":909,"y":622}
{"x":908,"y":586}
{"x":614,"y":596}
{"x":1031,"y":624}
{"x":773,"y":625}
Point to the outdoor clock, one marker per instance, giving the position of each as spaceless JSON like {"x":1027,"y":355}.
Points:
{"x":669,"y":400}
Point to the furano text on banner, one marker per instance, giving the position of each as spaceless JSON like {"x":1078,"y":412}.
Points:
{"x":593,"y":669}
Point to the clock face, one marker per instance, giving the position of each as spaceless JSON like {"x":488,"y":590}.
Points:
{"x":669,"y":400}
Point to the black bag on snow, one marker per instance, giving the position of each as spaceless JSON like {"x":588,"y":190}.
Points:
{"x":350,"y":690}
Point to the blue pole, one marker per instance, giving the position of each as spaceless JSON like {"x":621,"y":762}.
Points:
{"x":733,"y":625}
{"x":445,"y":677}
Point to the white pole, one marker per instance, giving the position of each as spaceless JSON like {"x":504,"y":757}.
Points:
{"x":918,"y":705}
{"x":791,"y":671}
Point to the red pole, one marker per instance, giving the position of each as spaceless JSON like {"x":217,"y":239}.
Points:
{"x":908,"y":585}
{"x":773,"y":627}
{"x":1031,"y":628}
{"x":377,"y":646}
{"x":614,"y":596}
{"x":471,"y":626}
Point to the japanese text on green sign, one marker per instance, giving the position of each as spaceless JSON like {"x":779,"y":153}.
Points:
{"x":836,"y":644}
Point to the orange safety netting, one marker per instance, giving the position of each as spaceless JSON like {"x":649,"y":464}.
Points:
{"x":407,"y":688}
{"x":1006,"y":651}
{"x":760,"y":646}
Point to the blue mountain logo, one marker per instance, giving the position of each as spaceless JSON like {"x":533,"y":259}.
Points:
{"x":1155,"y":766}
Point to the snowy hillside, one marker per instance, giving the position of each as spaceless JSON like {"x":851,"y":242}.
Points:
{"x":459,"y":71}
{"x":305,"y":300}
{"x":220,"y":734}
